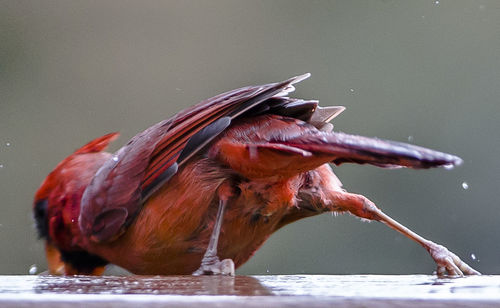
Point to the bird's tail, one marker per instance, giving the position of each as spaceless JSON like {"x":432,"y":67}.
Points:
{"x":273,"y":145}
{"x":365,"y":150}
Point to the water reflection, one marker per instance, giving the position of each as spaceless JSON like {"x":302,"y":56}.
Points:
{"x":409,"y":287}
{"x":178,"y":285}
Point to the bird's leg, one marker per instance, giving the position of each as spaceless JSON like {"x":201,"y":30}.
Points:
{"x":210,"y":264}
{"x":447,"y":262}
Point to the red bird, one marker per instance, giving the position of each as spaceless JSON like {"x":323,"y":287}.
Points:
{"x":215,"y":181}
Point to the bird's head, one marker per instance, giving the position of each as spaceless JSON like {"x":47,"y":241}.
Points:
{"x":57,"y":201}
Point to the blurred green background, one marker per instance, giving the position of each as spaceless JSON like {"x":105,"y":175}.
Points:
{"x":427,"y":72}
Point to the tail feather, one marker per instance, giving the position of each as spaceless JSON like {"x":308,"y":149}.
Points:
{"x":268,"y":146}
{"x":365,"y":150}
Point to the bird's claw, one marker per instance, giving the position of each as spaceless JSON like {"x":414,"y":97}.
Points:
{"x":216,"y":267}
{"x":448,"y":263}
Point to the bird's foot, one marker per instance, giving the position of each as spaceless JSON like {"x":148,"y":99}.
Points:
{"x":448,"y":263}
{"x":216,"y":267}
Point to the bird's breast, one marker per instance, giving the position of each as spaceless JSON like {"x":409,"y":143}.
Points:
{"x":172,"y":231}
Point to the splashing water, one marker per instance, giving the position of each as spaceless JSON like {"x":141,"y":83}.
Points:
{"x":33,"y":269}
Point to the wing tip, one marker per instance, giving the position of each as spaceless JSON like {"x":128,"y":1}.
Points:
{"x":287,"y":85}
{"x":299,"y":78}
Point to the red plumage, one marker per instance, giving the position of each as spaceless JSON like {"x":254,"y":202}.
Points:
{"x":260,"y":155}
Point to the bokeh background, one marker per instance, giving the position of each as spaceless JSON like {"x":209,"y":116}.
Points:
{"x":427,"y":72}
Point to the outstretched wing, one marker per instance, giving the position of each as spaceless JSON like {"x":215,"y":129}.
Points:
{"x":150,"y":159}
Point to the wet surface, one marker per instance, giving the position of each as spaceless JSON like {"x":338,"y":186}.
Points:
{"x":249,"y":291}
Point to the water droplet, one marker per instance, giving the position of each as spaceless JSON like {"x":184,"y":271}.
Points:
{"x":351,"y":90}
{"x":410,"y":138}
{"x":72,"y":220}
{"x":473,"y":256}
{"x":1,"y":165}
{"x":267,"y":270}
{"x":465,"y":185}
{"x":115,"y":157}
{"x":7,"y":144}
{"x":437,"y":2}
{"x":33,"y":269}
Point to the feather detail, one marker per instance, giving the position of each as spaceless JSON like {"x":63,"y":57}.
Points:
{"x":151,"y":158}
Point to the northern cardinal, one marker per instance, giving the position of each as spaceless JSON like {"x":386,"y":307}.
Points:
{"x":213,"y":183}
